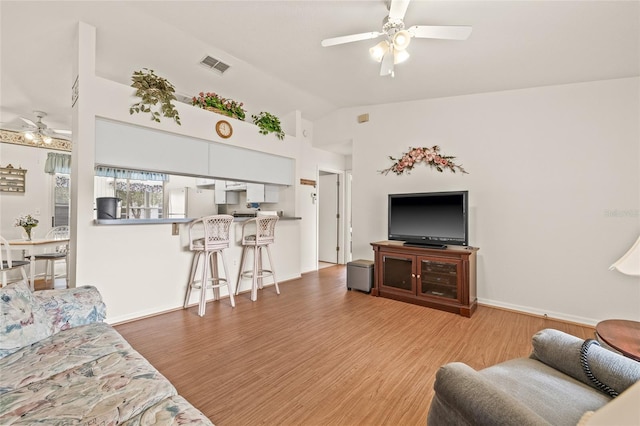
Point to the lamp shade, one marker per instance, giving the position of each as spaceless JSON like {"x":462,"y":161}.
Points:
{"x":378,"y":51}
{"x":629,"y":263}
{"x":399,"y":56}
{"x":401,"y":40}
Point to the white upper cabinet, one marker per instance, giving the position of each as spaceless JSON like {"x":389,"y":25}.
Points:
{"x":260,"y":193}
{"x":139,"y":148}
{"x":222,"y":196}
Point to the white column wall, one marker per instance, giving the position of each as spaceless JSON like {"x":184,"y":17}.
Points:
{"x":142,"y":269}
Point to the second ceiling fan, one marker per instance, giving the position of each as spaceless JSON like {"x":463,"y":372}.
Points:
{"x":393,"y":49}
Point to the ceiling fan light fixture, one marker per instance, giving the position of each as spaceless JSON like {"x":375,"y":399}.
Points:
{"x":399,"y":56}
{"x":378,"y":51}
{"x":28,"y":136}
{"x":401,"y":40}
{"x":47,"y":140}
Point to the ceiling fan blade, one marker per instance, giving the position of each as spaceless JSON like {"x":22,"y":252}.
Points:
{"x":58,"y":134}
{"x":349,"y":38}
{"x":63,"y":132}
{"x":386,"y":68}
{"x":16,"y":124}
{"x":29,"y":122}
{"x":451,"y":32}
{"x":397,"y":9}
{"x":19,"y":124}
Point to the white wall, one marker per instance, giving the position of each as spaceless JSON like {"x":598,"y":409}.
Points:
{"x":311,"y":160}
{"x":142,"y":269}
{"x":554,"y":184}
{"x":37,"y":200}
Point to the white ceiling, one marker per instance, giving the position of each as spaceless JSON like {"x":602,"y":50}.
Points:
{"x":277,"y":63}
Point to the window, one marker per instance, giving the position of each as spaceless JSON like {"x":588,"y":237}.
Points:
{"x":141,"y":198}
{"x":61,"y":199}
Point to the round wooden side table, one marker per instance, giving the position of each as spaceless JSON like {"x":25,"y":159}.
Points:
{"x":621,"y":335}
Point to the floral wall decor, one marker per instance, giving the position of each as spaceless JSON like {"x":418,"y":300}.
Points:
{"x":428,"y":156}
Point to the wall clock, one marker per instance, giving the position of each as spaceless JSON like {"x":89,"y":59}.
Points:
{"x":224,"y":129}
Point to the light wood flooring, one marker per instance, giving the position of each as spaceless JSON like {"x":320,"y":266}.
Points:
{"x":318,"y":354}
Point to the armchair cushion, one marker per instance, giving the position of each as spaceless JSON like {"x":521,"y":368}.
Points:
{"x":547,"y":388}
{"x":464,"y":396}
{"x":562,"y":352}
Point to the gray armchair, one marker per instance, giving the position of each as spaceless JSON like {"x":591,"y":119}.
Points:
{"x":552,"y":386}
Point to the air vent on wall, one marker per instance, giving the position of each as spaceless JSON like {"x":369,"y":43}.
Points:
{"x":214,"y":64}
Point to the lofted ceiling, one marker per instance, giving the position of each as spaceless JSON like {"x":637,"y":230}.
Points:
{"x":277,"y":63}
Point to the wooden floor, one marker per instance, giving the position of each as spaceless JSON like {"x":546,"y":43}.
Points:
{"x":319,"y":354}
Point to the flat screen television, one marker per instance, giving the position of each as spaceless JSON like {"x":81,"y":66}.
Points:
{"x":429,"y":219}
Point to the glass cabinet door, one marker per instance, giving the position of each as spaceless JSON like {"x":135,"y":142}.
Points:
{"x":439,"y":278}
{"x":397,"y":273}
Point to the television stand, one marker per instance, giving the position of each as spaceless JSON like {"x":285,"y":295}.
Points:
{"x":431,"y":246}
{"x":439,"y":278}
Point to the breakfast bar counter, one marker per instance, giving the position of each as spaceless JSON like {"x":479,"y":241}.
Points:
{"x":168,"y":220}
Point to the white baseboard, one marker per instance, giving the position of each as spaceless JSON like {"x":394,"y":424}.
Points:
{"x":549,"y":314}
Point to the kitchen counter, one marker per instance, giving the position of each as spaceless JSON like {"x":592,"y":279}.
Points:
{"x":168,"y":220}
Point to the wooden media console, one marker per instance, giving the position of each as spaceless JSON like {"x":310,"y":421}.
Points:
{"x":443,"y":279}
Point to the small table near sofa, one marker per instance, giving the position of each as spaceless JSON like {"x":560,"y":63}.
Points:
{"x":621,"y":335}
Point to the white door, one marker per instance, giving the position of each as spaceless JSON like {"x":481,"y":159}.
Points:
{"x":328,"y":217}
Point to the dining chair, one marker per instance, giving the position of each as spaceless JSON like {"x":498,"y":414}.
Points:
{"x":8,"y":264}
{"x":60,"y":252}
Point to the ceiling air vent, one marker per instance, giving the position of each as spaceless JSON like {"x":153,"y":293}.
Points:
{"x":214,"y":64}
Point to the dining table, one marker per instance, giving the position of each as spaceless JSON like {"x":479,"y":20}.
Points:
{"x":31,"y":248}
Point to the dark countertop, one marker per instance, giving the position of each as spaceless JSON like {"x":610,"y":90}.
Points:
{"x":167,"y":220}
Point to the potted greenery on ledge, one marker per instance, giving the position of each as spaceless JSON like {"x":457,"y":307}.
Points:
{"x":268,"y":123}
{"x":152,"y":89}
{"x":216,"y":103}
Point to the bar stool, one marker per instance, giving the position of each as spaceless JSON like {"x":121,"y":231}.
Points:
{"x":263,"y":237}
{"x":216,"y":239}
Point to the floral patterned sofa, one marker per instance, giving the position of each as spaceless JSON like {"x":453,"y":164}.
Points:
{"x":61,"y":365}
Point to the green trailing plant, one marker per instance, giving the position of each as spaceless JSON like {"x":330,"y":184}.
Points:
{"x":268,"y":123}
{"x":153,"y":90}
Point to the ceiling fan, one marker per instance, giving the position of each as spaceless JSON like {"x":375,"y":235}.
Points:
{"x":37,"y":131}
{"x":393,"y":49}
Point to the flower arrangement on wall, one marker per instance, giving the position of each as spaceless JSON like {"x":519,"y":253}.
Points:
{"x":423,"y":155}
{"x":213,"y":102}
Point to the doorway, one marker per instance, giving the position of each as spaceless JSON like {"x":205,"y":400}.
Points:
{"x":328,"y":217}
{"x":333,"y":225}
